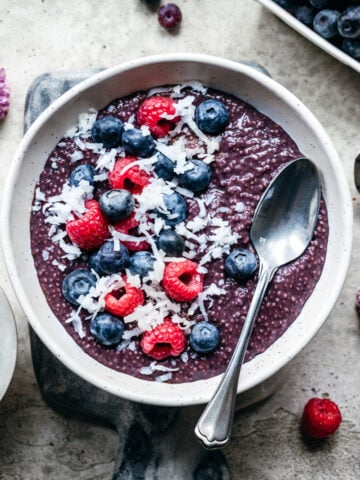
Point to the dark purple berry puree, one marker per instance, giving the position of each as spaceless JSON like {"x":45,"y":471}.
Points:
{"x":243,"y":158}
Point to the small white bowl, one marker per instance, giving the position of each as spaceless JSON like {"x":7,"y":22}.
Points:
{"x":264,"y":94}
{"x":8,"y":344}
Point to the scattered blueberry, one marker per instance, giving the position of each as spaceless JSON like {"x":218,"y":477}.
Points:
{"x":108,"y":131}
{"x":82,"y":172}
{"x":116,"y":204}
{"x":351,"y":46}
{"x":171,"y":243}
{"x":164,"y":167}
{"x":198,"y":178}
{"x":211,"y":116}
{"x":204,"y":337}
{"x":325,"y":23}
{"x":169,"y":16}
{"x":305,"y":14}
{"x":106,"y":328}
{"x":349,"y":23}
{"x":151,"y":3}
{"x":177,"y":209}
{"x":77,"y":283}
{"x":111,"y":260}
{"x":136,"y":143}
{"x":240,"y":264}
{"x":141,"y":263}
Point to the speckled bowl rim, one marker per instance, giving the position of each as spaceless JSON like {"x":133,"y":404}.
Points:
{"x":250,"y":85}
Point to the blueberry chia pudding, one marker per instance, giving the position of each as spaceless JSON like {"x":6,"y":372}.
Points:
{"x":140,"y":232}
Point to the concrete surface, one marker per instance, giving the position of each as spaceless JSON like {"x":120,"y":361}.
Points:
{"x":37,"y":442}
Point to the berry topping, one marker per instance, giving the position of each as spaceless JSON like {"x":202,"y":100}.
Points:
{"x":141,"y":263}
{"x":171,"y":243}
{"x":94,"y":263}
{"x":111,"y":260}
{"x":106,"y":328}
{"x":91,"y":230}
{"x":349,"y":23}
{"x":164,"y":167}
{"x":196,"y":179}
{"x":4,"y":94}
{"x":204,"y":337}
{"x":321,"y":417}
{"x":77,"y":283}
{"x":133,"y":179}
{"x":211,"y":116}
{"x":240,"y":264}
{"x":305,"y":14}
{"x":128,"y":226}
{"x":182,"y":281}
{"x":116,"y":204}
{"x":325,"y":23}
{"x":158,"y":114}
{"x":108,"y":131}
{"x":351,"y":46}
{"x":176,"y":209}
{"x":122,"y":302}
{"x":169,"y":16}
{"x":165,"y":340}
{"x":136,"y":142}
{"x":85,"y":172}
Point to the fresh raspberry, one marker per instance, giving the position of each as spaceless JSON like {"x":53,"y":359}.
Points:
{"x":165,"y":340}
{"x":129,"y":227}
{"x":321,"y":417}
{"x":124,"y":301}
{"x":91,"y":230}
{"x":134,"y":179}
{"x":181,"y":281}
{"x":4,"y":94}
{"x":154,"y":112}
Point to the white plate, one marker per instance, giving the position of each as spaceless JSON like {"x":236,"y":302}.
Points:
{"x":310,"y":34}
{"x":8,"y":344}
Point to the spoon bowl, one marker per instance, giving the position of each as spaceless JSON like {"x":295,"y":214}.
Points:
{"x":282,"y":228}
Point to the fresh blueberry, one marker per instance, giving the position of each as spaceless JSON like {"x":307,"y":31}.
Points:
{"x":116,"y":204}
{"x":94,"y":263}
{"x":325,"y":23}
{"x":287,"y":4}
{"x":198,"y":178}
{"x":177,"y":209}
{"x":82,"y":172}
{"x":305,"y":14}
{"x":349,"y":23}
{"x":351,"y":46}
{"x":111,"y":260}
{"x":136,"y":143}
{"x":240,"y":264}
{"x":171,"y":243}
{"x":211,"y":116}
{"x":108,"y":131}
{"x":106,"y":328}
{"x":204,"y":337}
{"x":77,"y":283}
{"x":321,"y":4}
{"x":141,"y":263}
{"x":169,"y":16}
{"x":164,"y":167}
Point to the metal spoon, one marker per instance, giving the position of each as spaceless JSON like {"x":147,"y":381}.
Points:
{"x":282,"y":227}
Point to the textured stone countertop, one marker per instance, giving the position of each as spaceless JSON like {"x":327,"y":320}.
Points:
{"x":37,"y":36}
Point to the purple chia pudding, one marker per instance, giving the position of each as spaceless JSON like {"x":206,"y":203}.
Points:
{"x":243,"y":160}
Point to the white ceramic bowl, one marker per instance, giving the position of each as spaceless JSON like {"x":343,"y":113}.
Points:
{"x":267,"y":96}
{"x":8,"y":344}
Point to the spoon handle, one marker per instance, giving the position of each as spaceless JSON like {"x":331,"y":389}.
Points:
{"x":214,"y":425}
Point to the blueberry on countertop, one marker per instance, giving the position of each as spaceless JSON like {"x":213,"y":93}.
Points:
{"x":106,"y":328}
{"x":77,"y":283}
{"x":141,"y":263}
{"x":169,"y":16}
{"x":171,"y":243}
{"x":325,"y":23}
{"x":176,"y":209}
{"x":349,"y":23}
{"x":111,"y":260}
{"x":108,"y":131}
{"x":204,"y":337}
{"x":116,"y":204}
{"x":164,"y":167}
{"x":137,"y":143}
{"x":196,"y":179}
{"x":240,"y":264}
{"x":84,"y":172}
{"x":211,"y":116}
